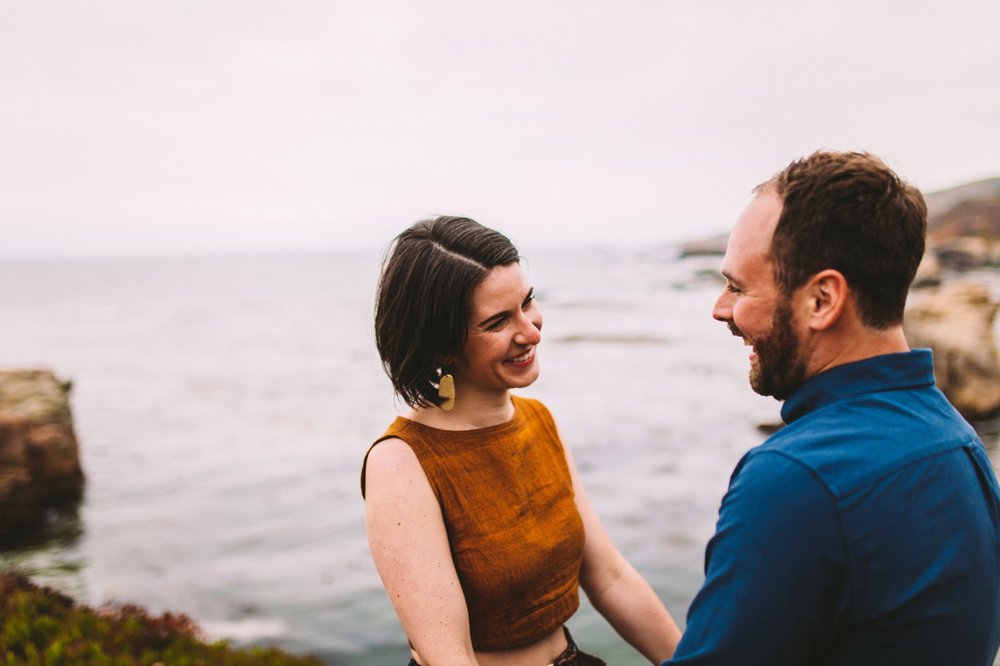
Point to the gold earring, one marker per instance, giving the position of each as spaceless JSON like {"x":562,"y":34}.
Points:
{"x":446,"y":391}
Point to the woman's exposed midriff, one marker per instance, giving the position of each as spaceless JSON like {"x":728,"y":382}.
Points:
{"x":539,"y":653}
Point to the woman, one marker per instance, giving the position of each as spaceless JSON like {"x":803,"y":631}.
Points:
{"x":476,"y":518}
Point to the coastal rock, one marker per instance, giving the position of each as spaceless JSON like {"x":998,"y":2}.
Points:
{"x":929,"y":270}
{"x":942,"y":201}
{"x":968,"y":252}
{"x":714,"y":245}
{"x":964,"y":225}
{"x":956,"y":322}
{"x":39,"y":455}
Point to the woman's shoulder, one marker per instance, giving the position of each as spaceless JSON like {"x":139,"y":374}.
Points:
{"x":532,"y":409}
{"x":391,"y":453}
{"x":389,"y":457}
{"x":528,"y":404}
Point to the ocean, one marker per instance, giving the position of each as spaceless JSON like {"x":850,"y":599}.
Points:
{"x":224,"y":404}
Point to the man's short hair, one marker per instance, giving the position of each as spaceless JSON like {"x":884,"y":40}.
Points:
{"x":851,"y":213}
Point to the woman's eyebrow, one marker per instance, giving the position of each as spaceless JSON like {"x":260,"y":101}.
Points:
{"x":490,"y":319}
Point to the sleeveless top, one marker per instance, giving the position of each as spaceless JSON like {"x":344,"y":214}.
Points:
{"x":515,"y":534}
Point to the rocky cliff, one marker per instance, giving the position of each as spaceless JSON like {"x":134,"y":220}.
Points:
{"x":39,"y":456}
{"x":964,"y":225}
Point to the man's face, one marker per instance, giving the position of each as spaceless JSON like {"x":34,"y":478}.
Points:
{"x":754,"y":308}
{"x":779,"y":368}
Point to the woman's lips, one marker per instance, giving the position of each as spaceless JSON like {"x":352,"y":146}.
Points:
{"x":524,"y":359}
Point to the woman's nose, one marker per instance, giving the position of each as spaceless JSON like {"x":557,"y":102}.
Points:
{"x":530,"y":330}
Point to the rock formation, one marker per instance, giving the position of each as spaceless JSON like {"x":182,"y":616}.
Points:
{"x":956,"y":322}
{"x":714,"y":245}
{"x":39,"y":456}
{"x":964,"y":225}
{"x":929,"y":271}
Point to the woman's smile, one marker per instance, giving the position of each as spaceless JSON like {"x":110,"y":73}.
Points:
{"x":525,"y":359}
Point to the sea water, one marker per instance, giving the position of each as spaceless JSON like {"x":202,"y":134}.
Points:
{"x":223,"y":406}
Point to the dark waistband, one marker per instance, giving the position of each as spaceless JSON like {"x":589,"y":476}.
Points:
{"x":571,"y":656}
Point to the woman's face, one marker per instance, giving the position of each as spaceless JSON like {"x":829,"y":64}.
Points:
{"x":505,"y":327}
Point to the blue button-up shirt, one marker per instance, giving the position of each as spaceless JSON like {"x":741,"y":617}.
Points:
{"x":866,"y":532}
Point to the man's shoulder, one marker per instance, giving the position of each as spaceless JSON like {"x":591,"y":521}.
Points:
{"x":853,"y":442}
{"x":776,"y":494}
{"x":773,"y":466}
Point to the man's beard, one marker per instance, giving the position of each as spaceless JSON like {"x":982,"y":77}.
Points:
{"x":779,"y":369}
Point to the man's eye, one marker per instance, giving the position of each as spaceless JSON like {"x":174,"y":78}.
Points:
{"x":733,"y":289}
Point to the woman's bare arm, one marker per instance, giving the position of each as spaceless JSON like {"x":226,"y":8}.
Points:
{"x":409,"y":544}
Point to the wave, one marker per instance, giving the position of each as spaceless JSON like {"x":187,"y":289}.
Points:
{"x":612,"y":339}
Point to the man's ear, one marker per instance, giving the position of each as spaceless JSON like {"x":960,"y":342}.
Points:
{"x":826,"y":295}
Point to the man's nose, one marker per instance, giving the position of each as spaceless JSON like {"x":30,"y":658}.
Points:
{"x":723,"y":310}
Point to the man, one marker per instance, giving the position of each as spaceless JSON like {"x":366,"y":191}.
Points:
{"x":867,"y":531}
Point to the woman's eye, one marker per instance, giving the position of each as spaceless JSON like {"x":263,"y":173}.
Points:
{"x":529,"y":300}
{"x":496,"y":324}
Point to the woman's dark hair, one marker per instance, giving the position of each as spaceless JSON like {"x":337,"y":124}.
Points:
{"x":849,"y":212}
{"x":422,"y":304}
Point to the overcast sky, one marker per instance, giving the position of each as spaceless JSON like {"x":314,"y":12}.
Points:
{"x":130,"y":127}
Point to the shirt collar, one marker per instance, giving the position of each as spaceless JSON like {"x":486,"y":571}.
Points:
{"x":878,"y":373}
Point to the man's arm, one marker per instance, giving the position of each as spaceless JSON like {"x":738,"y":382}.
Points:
{"x":776,"y":571}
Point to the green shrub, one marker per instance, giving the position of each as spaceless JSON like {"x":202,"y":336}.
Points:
{"x":41,"y":626}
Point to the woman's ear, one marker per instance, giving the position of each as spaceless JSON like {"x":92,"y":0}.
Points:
{"x":446,"y":364}
{"x":826,"y":293}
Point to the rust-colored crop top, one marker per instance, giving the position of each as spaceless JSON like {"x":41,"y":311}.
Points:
{"x":515,"y":534}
